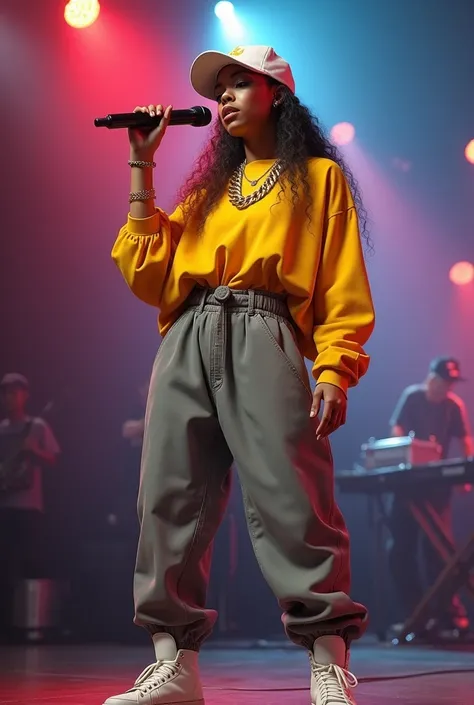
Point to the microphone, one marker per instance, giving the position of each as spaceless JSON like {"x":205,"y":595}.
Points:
{"x":199,"y":116}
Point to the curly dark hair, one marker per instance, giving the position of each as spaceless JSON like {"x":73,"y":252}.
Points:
{"x":299,"y":136}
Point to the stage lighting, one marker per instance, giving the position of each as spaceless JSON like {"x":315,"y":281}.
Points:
{"x":224,"y":11}
{"x":230,"y":23}
{"x":469,"y":152}
{"x":81,"y":13}
{"x":462,"y":273}
{"x":342,"y":133}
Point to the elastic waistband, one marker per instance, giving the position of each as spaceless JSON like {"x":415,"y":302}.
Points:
{"x":234,"y":300}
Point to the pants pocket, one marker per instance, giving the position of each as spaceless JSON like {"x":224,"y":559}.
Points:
{"x":282,"y":337}
{"x":177,"y":323}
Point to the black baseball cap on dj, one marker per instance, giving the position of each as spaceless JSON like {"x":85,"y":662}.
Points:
{"x":15,"y":380}
{"x":447,"y":368}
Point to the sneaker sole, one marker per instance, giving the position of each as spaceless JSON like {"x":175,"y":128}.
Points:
{"x":185,"y":702}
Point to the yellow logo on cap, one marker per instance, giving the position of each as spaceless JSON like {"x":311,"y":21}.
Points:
{"x":236,"y":52}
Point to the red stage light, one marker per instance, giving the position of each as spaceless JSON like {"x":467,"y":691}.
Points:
{"x":81,"y":13}
{"x":462,"y":273}
{"x":342,"y":133}
{"x":469,"y":152}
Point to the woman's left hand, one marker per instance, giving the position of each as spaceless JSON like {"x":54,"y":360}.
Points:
{"x":334,"y":410}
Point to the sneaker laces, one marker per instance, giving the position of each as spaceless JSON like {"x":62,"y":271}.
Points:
{"x":153,"y":676}
{"x":334,"y":683}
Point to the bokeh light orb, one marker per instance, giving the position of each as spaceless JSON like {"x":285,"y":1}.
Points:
{"x":81,"y":13}
{"x":224,"y":11}
{"x":469,"y":152}
{"x":342,"y":133}
{"x":462,"y":273}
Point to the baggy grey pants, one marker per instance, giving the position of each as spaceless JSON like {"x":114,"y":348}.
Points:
{"x":229,"y":382}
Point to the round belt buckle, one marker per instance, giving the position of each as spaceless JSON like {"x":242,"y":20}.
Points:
{"x":222,"y":293}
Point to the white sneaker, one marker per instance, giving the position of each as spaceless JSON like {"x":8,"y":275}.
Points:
{"x":331,"y":685}
{"x":166,"y":683}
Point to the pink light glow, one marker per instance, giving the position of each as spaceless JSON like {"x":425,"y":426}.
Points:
{"x":462,"y":273}
{"x":469,"y":152}
{"x":81,"y":13}
{"x":342,"y":133}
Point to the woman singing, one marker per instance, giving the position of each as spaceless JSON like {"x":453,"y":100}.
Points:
{"x":259,"y":266}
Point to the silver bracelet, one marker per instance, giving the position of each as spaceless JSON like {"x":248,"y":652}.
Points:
{"x":141,"y":165}
{"x":143,"y":195}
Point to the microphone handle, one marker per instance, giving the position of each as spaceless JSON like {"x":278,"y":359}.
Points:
{"x":136,"y":120}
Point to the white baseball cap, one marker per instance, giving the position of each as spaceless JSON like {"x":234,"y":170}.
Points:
{"x":261,"y":59}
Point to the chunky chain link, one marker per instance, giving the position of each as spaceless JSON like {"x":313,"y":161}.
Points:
{"x":143,"y":195}
{"x":140,"y":164}
{"x":235,"y":187}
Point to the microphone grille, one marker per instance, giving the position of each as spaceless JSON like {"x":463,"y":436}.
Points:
{"x":203,"y":116}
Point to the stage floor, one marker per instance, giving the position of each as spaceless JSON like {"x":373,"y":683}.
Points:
{"x":73,"y":675}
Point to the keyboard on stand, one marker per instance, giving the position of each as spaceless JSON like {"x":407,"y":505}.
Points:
{"x":403,"y":477}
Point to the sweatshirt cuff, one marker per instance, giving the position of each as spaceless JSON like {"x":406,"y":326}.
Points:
{"x":332,"y":377}
{"x":144,"y":226}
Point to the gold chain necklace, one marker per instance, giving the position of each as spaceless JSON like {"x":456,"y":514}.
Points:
{"x":235,"y":186}
{"x":254,"y":182}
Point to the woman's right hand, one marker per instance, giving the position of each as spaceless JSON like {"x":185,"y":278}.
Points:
{"x":145,"y":142}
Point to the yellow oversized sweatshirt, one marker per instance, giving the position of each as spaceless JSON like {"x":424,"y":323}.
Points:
{"x":317,"y":262}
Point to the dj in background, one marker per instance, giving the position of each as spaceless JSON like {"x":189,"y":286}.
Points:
{"x":429,"y":410}
{"x":27,"y":447}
